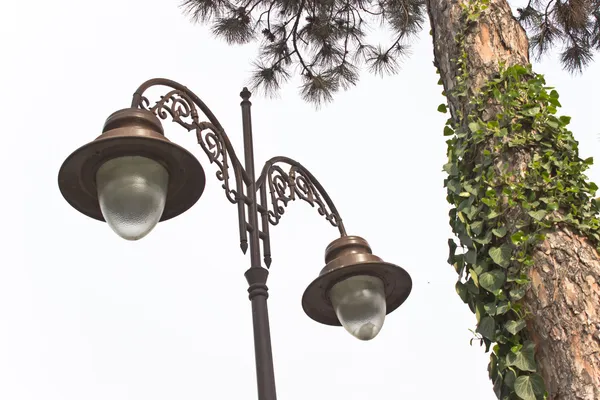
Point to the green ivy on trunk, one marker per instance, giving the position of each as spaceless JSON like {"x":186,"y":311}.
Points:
{"x":502,"y":210}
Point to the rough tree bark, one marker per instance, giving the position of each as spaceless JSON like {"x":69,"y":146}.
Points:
{"x":564,"y":295}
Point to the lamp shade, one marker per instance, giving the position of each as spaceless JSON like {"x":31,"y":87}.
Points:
{"x":347,"y":257}
{"x":131,"y":132}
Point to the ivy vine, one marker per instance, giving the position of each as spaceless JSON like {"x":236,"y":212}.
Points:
{"x":501,"y":210}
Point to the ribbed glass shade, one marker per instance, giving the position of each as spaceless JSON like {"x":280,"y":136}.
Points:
{"x":132,"y":192}
{"x":359,"y":303}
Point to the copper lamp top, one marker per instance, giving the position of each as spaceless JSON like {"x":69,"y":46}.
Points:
{"x":350,"y":256}
{"x":131,"y":132}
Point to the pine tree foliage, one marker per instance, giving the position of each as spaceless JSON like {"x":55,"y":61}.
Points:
{"x":327,"y":41}
{"x":573,"y":24}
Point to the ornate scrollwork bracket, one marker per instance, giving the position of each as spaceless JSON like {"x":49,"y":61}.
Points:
{"x":182,"y":111}
{"x":181,"y":105}
{"x":297,"y":183}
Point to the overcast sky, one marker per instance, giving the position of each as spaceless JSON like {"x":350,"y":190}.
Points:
{"x":85,"y":315}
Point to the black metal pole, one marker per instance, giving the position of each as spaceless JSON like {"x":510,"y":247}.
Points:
{"x":265,"y":376}
{"x":257,"y":275}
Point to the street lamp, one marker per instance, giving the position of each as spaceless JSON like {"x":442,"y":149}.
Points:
{"x":132,"y":177}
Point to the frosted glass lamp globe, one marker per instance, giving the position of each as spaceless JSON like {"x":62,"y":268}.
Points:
{"x":132,"y":192}
{"x":359,"y":303}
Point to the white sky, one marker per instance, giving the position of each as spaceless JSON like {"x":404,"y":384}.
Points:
{"x":85,"y":315}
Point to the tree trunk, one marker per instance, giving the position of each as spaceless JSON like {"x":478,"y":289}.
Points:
{"x":564,"y":295}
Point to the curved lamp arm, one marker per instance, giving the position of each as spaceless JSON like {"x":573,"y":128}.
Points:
{"x":180,"y":104}
{"x":297,"y":183}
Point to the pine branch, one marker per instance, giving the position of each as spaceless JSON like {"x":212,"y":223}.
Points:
{"x":574,"y":24}
{"x":324,"y":38}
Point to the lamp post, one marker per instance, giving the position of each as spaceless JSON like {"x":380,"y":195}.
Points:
{"x":132,"y":177}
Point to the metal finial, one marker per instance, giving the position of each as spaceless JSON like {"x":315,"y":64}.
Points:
{"x":245,"y":93}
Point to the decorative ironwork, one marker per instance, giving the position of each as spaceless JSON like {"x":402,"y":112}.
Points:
{"x":296,"y":184}
{"x":180,"y":107}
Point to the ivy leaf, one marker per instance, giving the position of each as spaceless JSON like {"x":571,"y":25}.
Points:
{"x":517,"y":294}
{"x":477,"y":227}
{"x":502,"y":309}
{"x":454,"y":186}
{"x":501,"y":255}
{"x":538,"y":215}
{"x":515,"y":326}
{"x":493,"y":366}
{"x":492,"y":281}
{"x":448,"y":131}
{"x":523,"y":359}
{"x":485,"y":239}
{"x":488,"y":202}
{"x":565,"y":119}
{"x":469,"y":188}
{"x":471,"y":256}
{"x":465,"y":206}
{"x":472,"y":211}
{"x":516,"y":348}
{"x":442,"y":108}
{"x":480,"y":267}
{"x":465,"y":240}
{"x":471,"y":287}
{"x":492,"y":214}
{"x":487,"y":327}
{"x":498,"y":386}
{"x":459,"y":264}
{"x":451,"y":168}
{"x":520,"y":279}
{"x":500,"y":232}
{"x":461,"y":289}
{"x":533,"y":111}
{"x":474,"y":276}
{"x":510,"y":378}
{"x":490,"y":308}
{"x":529,"y":387}
{"x":473,"y":126}
{"x":479,"y":311}
{"x":517,"y":237}
{"x":452,"y":247}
